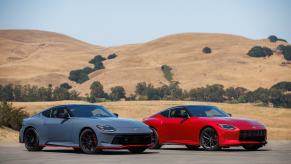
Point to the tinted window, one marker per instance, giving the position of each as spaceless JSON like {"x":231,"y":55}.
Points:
{"x":46,"y":113}
{"x":89,"y":111}
{"x":206,"y":111}
{"x":178,"y":112}
{"x":57,"y":112}
{"x":165,"y":113}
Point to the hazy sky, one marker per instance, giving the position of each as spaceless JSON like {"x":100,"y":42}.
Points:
{"x":115,"y":22}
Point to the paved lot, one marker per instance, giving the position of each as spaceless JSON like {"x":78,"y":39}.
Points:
{"x":276,"y":152}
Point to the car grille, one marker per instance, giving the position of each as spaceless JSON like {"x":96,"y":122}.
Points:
{"x":136,"y":139}
{"x":252,"y":135}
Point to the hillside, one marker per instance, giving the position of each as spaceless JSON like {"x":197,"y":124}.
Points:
{"x":40,"y":58}
{"x":37,"y":57}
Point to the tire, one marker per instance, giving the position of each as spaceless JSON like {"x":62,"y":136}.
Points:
{"x":251,"y":147}
{"x":155,"y":140}
{"x":137,"y":150}
{"x":77,"y":149}
{"x":192,"y":147}
{"x":88,"y":142}
{"x":209,"y":139}
{"x":31,"y":140}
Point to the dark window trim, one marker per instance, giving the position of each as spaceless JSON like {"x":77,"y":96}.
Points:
{"x":178,"y":107}
{"x":164,"y":111}
{"x":58,"y":108}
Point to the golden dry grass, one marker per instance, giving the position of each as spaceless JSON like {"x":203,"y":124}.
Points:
{"x":38,"y":57}
{"x":277,"y":121}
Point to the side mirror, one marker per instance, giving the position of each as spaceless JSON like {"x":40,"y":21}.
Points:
{"x":115,"y":114}
{"x":229,"y":114}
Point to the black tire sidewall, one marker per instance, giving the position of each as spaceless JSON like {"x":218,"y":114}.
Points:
{"x":205,"y":148}
{"x":156,"y":145}
{"x":81,"y":148}
{"x":36,"y":147}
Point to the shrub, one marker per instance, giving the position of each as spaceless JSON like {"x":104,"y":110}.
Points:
{"x":65,"y":86}
{"x":112,"y":56}
{"x":262,"y":95}
{"x":286,"y":51}
{"x":213,"y":93}
{"x":97,"y":59}
{"x":10,"y":116}
{"x":274,"y":38}
{"x":235,"y":93}
{"x":206,"y":50}
{"x":167,"y":72}
{"x":287,"y":99}
{"x":258,"y":51}
{"x":88,"y":70}
{"x":276,"y":97}
{"x":96,"y":91}
{"x":6,"y":92}
{"x":97,"y":62}
{"x":117,"y":93}
{"x":284,"y":86}
{"x":79,"y":76}
{"x":98,"y":66}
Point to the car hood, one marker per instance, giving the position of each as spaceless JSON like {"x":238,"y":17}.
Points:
{"x":119,"y":122}
{"x":241,"y":123}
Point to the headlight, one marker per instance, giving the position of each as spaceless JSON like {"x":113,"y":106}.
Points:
{"x":106,"y":128}
{"x":226,"y":126}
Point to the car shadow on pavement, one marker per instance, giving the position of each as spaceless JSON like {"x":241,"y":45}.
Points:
{"x":103,"y":152}
{"x":221,"y":150}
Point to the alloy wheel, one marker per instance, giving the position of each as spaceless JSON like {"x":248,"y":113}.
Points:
{"x":209,"y":139}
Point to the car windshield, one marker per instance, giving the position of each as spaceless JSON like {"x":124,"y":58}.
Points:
{"x":206,"y":111}
{"x":89,"y":111}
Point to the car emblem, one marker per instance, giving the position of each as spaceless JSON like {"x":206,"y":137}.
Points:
{"x":135,"y":129}
{"x":254,"y":127}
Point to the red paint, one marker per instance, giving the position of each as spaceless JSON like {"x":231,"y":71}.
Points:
{"x":187,"y":131}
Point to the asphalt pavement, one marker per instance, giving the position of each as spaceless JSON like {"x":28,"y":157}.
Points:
{"x":276,"y":152}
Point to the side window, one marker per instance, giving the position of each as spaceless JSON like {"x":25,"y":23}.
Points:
{"x":165,"y":113}
{"x":47,"y":113}
{"x":178,"y":112}
{"x":59,"y":112}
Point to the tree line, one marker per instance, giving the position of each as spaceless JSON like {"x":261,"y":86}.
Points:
{"x":279,"y":95}
{"x":12,"y":92}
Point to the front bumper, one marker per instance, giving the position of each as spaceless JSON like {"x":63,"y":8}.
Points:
{"x":124,"y":141}
{"x":239,"y":137}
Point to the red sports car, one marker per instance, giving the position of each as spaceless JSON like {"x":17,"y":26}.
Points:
{"x":206,"y":126}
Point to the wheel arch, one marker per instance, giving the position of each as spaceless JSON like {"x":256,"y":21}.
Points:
{"x":84,"y":128}
{"x":207,"y":126}
{"x":28,"y":127}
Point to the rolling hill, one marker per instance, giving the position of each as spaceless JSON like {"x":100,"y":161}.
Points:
{"x":39,"y":57}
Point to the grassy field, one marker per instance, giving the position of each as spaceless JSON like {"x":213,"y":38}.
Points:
{"x":277,"y":120}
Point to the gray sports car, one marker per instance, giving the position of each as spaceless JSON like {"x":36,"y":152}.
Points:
{"x":87,"y":128}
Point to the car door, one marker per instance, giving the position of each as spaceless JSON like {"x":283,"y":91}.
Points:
{"x":58,"y":128}
{"x":177,"y":126}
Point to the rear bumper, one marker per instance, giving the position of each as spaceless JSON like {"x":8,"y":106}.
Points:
{"x":239,"y":137}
